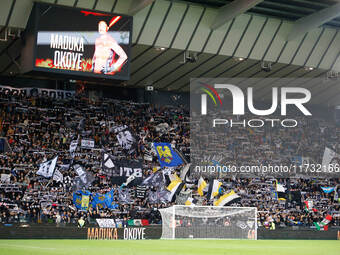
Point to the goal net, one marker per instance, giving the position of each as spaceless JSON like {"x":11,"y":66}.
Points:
{"x":215,"y":222}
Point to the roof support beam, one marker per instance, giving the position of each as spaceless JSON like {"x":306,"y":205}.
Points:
{"x":138,"y":5}
{"x":230,"y":11}
{"x":310,"y":22}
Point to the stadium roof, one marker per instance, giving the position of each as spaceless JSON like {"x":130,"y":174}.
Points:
{"x":283,"y":9}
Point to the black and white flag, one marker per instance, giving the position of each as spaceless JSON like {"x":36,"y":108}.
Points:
{"x":162,"y":195}
{"x":125,"y":138}
{"x":154,"y":180}
{"x":58,"y":176}
{"x":148,"y":155}
{"x":84,"y":178}
{"x":73,"y":146}
{"x":81,"y":124}
{"x":108,"y":164}
{"x":182,"y":197}
{"x":126,"y":168}
{"x":140,"y":191}
{"x":153,"y":197}
{"x":124,"y":171}
{"x":124,"y":196}
{"x":46,"y":169}
{"x":162,"y":128}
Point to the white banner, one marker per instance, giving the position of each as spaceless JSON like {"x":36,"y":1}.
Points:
{"x":5,"y":178}
{"x":106,"y":223}
{"x":89,"y":144}
{"x":53,"y":93}
{"x":58,"y":176}
{"x":73,"y":146}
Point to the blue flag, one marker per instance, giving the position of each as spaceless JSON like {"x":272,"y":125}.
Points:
{"x":98,"y":200}
{"x":109,"y":200}
{"x":81,"y":199}
{"x":167,"y":156}
{"x":77,"y":200}
{"x":328,"y":189}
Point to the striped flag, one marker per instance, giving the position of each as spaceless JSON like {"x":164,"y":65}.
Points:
{"x":214,"y":187}
{"x":323,"y":225}
{"x":191,"y":201}
{"x":227,"y":198}
{"x":175,"y":188}
{"x":309,"y":206}
{"x":281,"y":191}
{"x":201,"y":185}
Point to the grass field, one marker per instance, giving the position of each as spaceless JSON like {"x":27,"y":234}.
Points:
{"x":171,"y":247}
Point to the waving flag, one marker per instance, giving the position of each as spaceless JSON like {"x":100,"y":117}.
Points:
{"x":81,"y":124}
{"x":175,"y":188}
{"x":213,"y":189}
{"x":77,"y":200}
{"x":125,"y":138}
{"x":85,"y":199}
{"x":328,"y":189}
{"x":99,"y":201}
{"x":108,"y":164}
{"x":227,"y":199}
{"x":183,"y":196}
{"x":309,"y":206}
{"x":73,"y":146}
{"x":109,"y":200}
{"x":154,"y":180}
{"x":323,"y":225}
{"x":81,"y":199}
{"x":167,"y":156}
{"x":84,"y":178}
{"x":201,"y":186}
{"x":46,"y":169}
{"x":191,"y":201}
{"x":153,"y":197}
{"x":160,"y":196}
{"x":124,"y":196}
{"x":281,"y":191}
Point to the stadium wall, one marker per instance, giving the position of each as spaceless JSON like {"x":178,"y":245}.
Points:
{"x":302,"y":234}
{"x":149,"y":232}
{"x":92,"y":233}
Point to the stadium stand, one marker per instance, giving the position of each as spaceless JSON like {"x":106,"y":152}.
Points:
{"x":40,"y":128}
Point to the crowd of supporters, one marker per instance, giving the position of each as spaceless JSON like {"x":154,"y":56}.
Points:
{"x":39,"y":128}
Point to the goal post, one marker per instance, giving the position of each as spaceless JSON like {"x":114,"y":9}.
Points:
{"x":209,"y":222}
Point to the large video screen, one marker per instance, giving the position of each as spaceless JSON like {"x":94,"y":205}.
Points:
{"x":82,"y":42}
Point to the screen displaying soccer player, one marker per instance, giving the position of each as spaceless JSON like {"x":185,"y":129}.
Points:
{"x":106,"y":48}
{"x":84,"y":42}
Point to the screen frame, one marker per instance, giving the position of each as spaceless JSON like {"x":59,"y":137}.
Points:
{"x":36,"y":16}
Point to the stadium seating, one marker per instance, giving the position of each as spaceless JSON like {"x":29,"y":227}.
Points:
{"x":38,"y":129}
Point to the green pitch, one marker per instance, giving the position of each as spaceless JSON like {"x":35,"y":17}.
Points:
{"x":171,"y":247}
